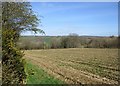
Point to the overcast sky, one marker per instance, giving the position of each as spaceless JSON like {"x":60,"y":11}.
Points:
{"x":83,"y":18}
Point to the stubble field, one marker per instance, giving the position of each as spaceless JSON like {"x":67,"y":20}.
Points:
{"x":78,"y":65}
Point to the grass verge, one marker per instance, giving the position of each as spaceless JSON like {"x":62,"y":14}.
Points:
{"x":36,"y":75}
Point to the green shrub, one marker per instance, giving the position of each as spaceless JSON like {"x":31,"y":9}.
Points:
{"x":12,"y":62}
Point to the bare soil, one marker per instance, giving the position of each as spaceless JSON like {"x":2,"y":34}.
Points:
{"x":66,"y":64}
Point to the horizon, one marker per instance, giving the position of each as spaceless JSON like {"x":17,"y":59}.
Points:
{"x":68,"y":35}
{"x":82,"y":18}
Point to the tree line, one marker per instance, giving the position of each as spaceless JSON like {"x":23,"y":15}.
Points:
{"x":70,"y":41}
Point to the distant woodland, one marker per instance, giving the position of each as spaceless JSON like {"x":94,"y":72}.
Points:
{"x":70,"y":41}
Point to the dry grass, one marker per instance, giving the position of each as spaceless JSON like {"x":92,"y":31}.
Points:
{"x":78,"y":65}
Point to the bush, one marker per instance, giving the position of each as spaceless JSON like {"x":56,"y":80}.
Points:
{"x":12,"y":62}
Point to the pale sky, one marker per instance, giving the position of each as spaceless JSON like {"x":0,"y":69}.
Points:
{"x":83,"y":18}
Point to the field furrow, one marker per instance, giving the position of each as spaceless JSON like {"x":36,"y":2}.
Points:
{"x":70,"y":70}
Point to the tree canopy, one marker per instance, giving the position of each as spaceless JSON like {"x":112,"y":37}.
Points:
{"x":20,"y":17}
{"x":16,"y":17}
